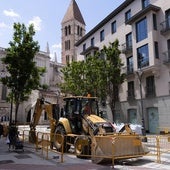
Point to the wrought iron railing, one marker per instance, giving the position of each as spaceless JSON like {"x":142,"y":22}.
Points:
{"x":165,"y":26}
{"x":127,"y":47}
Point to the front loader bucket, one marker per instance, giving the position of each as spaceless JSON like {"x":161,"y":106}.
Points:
{"x":109,"y":148}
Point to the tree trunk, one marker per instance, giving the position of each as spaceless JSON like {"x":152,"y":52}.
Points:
{"x":16,"y":112}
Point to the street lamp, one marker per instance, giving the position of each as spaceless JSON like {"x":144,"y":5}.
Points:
{"x":140,"y":75}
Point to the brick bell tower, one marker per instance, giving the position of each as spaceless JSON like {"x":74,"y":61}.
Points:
{"x":73,"y":29}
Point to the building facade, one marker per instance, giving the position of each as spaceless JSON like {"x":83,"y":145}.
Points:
{"x":49,"y":91}
{"x":73,"y":29}
{"x":143,"y":30}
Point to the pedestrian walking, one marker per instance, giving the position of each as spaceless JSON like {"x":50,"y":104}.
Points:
{"x":1,"y":130}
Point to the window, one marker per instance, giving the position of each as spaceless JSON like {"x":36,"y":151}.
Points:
{"x":92,"y":42}
{"x":145,"y":3}
{"x":73,"y":58}
{"x":150,"y":86}
{"x":69,"y":29}
{"x":154,"y":22}
{"x":156,"y":49}
{"x":127,"y":15}
{"x":65,"y":31}
{"x":113,"y":27}
{"x":129,"y":41}
{"x":81,"y":31}
{"x":78,"y":30}
{"x":141,"y":30}
{"x":67,"y":58}
{"x":45,"y":116}
{"x":143,"y":56}
{"x":84,"y":47}
{"x":102,"y":35}
{"x":130,"y":65}
{"x":67,"y":45}
{"x":131,"y":89}
{"x":167,"y":18}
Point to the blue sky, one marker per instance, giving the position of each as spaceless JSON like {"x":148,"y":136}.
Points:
{"x":46,"y":15}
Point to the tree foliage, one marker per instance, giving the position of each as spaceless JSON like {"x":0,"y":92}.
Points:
{"x":99,"y":75}
{"x":84,"y":77}
{"x":114,"y":75}
{"x":24,"y":75}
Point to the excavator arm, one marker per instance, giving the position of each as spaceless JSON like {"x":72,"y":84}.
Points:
{"x":41,"y":105}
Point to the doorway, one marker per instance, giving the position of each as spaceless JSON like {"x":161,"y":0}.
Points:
{"x":153,"y":120}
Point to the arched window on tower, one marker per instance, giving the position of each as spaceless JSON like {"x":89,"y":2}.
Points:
{"x":68,"y":44}
{"x":78,"y":30}
{"x":65,"y":31}
{"x":67,"y":59}
{"x":69,"y":29}
{"x":81,"y":31}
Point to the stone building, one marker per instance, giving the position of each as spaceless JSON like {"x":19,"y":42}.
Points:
{"x":143,"y":30}
{"x":73,"y":28}
{"x":51,"y":92}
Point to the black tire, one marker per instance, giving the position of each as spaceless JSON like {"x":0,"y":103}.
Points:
{"x":83,"y":147}
{"x":58,"y":139}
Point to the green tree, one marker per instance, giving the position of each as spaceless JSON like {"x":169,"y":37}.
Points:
{"x":99,"y":75}
{"x":24,"y":76}
{"x":84,"y":77}
{"x":113,"y":72}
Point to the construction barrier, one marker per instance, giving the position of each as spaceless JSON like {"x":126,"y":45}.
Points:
{"x":43,"y":143}
{"x":115,"y":149}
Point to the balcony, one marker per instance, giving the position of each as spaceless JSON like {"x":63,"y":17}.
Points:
{"x":130,"y":95}
{"x":165,"y":27}
{"x":166,"y":57}
{"x":127,"y":47}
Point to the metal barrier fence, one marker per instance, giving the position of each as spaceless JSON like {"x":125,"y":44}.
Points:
{"x":111,"y":147}
{"x":43,"y":142}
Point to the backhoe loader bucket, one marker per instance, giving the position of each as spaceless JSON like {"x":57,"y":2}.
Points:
{"x":108,"y":148}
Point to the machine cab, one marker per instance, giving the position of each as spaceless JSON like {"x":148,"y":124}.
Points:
{"x":80,"y":105}
{"x":77,"y":107}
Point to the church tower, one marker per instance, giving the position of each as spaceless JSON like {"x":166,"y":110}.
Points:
{"x":73,"y":29}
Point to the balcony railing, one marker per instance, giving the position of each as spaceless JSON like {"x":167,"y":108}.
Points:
{"x":127,"y":47}
{"x":166,"y":57}
{"x":165,"y":26}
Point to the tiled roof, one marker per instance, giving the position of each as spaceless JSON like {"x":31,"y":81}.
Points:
{"x":73,"y":12}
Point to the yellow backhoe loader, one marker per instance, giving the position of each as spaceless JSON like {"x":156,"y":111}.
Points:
{"x":84,"y":130}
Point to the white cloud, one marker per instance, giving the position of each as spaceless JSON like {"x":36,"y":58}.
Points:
{"x":56,"y":46}
{"x":3,"y":25}
{"x":36,"y":21}
{"x":10,"y":13}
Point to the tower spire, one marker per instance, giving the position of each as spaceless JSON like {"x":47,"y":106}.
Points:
{"x":47,"y":48}
{"x":55,"y":57}
{"x":73,"y":13}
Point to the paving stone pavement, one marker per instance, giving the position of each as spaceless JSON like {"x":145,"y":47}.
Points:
{"x":30,"y":159}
